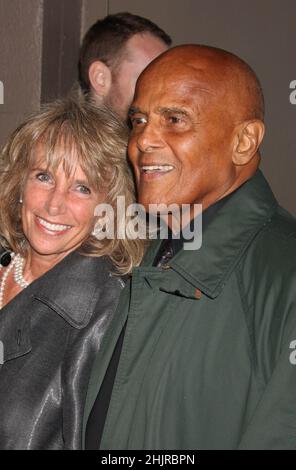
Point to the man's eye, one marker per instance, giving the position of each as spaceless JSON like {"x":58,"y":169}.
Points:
{"x":175,"y":119}
{"x":137,"y":121}
{"x":43,"y":177}
{"x":83,"y":189}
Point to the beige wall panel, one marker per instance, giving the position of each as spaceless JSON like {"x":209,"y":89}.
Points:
{"x":20,"y":60}
{"x":92,"y":10}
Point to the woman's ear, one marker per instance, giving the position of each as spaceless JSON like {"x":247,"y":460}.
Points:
{"x":248,"y":138}
{"x":100,"y":78}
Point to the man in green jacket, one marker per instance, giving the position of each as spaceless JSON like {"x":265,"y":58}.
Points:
{"x":201,"y":353}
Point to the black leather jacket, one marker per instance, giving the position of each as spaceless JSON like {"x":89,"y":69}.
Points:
{"x":50,"y":334}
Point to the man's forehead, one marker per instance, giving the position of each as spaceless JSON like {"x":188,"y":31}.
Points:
{"x":171,"y":75}
{"x":172,"y":93}
{"x":191,"y":70}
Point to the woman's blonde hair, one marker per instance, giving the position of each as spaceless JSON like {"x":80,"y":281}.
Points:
{"x":89,"y":135}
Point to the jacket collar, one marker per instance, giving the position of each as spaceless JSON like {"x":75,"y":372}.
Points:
{"x":226,"y":238}
{"x":70,"y":289}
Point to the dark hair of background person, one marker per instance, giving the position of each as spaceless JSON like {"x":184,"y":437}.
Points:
{"x":106,"y":39}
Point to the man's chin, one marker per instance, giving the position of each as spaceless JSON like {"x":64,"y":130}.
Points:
{"x":158,"y":206}
{"x":151,"y":204}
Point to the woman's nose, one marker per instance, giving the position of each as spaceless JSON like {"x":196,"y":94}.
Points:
{"x":56,"y":202}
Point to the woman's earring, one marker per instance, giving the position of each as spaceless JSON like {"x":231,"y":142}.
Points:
{"x":20,"y":200}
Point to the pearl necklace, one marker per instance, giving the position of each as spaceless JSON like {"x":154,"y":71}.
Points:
{"x":18,"y":264}
{"x":18,"y":272}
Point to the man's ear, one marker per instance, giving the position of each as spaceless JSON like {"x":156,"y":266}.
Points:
{"x":100,"y":78}
{"x":248,"y":138}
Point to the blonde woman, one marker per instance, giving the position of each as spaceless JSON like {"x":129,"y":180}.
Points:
{"x":59,"y":284}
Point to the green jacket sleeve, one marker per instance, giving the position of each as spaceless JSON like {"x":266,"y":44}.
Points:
{"x":273,"y":425}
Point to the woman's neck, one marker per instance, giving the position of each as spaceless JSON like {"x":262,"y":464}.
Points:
{"x":36,"y":264}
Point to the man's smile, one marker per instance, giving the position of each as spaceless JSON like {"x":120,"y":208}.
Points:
{"x":153,"y":171}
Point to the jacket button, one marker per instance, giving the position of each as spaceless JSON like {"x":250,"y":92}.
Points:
{"x":165,"y":266}
{"x":197,"y":294}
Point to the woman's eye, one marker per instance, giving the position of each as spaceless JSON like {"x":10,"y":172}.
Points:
{"x":43,"y":177}
{"x":83,"y":189}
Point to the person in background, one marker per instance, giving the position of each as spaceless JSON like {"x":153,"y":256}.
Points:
{"x":114,"y":52}
{"x":59,"y":281}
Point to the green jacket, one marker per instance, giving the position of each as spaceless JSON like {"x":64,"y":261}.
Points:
{"x":215,"y":372}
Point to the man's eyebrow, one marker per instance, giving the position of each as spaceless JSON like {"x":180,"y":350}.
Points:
{"x":173,"y":109}
{"x":133,"y":111}
{"x":162,"y":110}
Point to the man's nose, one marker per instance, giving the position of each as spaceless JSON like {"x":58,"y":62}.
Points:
{"x":149,"y":138}
{"x":56,"y":202}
